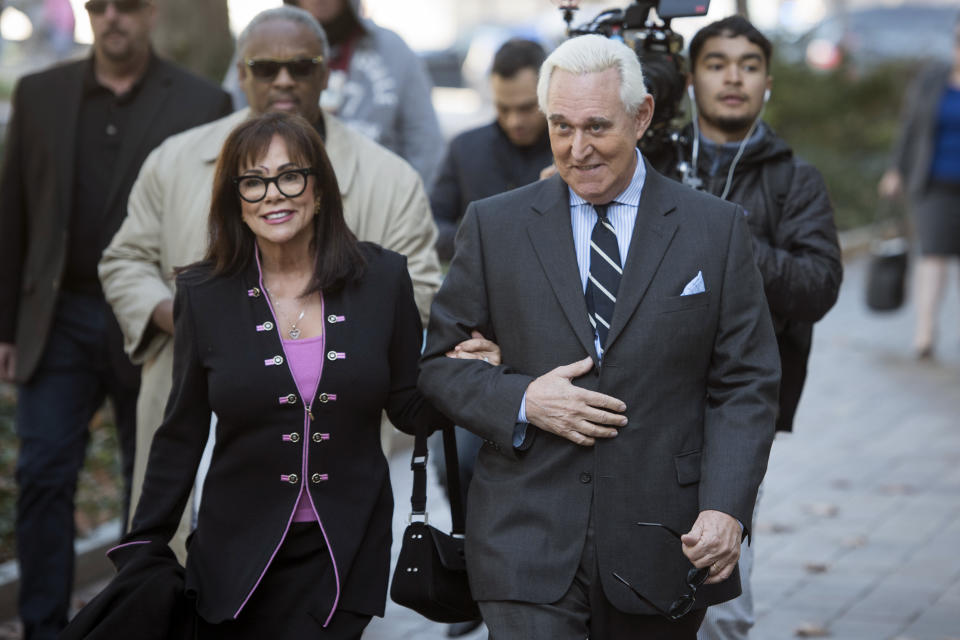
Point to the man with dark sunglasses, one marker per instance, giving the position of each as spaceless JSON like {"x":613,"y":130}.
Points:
{"x":377,"y":85}
{"x":77,"y":137}
{"x":282,"y":67}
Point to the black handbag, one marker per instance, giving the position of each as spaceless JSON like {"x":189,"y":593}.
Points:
{"x":887,"y":271}
{"x":431,"y":572}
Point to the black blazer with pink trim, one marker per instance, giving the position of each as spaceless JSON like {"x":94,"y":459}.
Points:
{"x":229,"y":359}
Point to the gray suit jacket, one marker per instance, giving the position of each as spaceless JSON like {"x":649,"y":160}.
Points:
{"x":698,"y":374}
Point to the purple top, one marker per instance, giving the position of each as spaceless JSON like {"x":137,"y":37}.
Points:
{"x":305,"y":358}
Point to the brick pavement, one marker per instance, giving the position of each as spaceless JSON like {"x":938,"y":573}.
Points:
{"x":859,"y":523}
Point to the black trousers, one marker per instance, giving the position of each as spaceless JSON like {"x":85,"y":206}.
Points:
{"x":82,"y":365}
{"x":293,"y":600}
{"x":583,"y":612}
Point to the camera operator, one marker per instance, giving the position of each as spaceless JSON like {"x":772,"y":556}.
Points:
{"x":729,"y":151}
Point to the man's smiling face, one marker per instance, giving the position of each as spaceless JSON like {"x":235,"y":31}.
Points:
{"x":592,"y":135}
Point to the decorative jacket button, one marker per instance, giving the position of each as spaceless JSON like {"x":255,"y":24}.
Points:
{"x":293,"y":478}
{"x":332,"y":319}
{"x":291,"y":399}
{"x":324,"y":398}
{"x":277,"y":359}
{"x":294,"y":437}
{"x":331,"y":355}
{"x":317,"y":478}
{"x":267,"y":326}
{"x":317,"y":437}
{"x":585,"y":478}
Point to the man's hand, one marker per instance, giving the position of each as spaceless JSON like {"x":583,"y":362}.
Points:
{"x":554,"y":404}
{"x":713,"y":541}
{"x":477,"y":348}
{"x":891,"y":184}
{"x":162,"y":316}
{"x":8,"y":361}
{"x":548,"y":171}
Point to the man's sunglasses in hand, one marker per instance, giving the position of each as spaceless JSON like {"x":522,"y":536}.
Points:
{"x":695,"y":579}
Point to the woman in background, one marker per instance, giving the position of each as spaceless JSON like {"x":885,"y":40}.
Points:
{"x":926,"y":164}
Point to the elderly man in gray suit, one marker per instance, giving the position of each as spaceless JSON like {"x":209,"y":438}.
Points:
{"x":628,"y":430}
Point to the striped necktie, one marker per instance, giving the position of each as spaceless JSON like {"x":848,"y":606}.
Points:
{"x":603,"y":279}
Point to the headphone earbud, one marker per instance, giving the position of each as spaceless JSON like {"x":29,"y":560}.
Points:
{"x":766,"y":95}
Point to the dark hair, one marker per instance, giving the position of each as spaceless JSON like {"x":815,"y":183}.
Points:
{"x":730,"y":27}
{"x":338,"y":259}
{"x":515,"y":55}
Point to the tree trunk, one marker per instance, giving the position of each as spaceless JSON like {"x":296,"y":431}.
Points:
{"x":743,"y":9}
{"x":196,"y":35}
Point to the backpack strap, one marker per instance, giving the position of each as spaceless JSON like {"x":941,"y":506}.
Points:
{"x":776,"y":178}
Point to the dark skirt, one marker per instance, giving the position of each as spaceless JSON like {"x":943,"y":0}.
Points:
{"x":289,"y":602}
{"x":937,"y":214}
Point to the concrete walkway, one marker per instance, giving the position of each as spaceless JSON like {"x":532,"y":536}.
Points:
{"x":859,"y":525}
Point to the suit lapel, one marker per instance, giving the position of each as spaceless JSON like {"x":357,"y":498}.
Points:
{"x":652,"y":234}
{"x":143,"y":111}
{"x":552,"y":240}
{"x":65,"y":130}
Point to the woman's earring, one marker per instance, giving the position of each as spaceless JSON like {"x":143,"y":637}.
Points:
{"x":316,"y":208}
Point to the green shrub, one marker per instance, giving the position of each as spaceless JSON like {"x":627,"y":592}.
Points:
{"x":844,"y":125}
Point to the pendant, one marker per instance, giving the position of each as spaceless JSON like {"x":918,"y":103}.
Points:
{"x":294,"y":333}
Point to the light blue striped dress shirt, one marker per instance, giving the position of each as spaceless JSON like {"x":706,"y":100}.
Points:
{"x":622,"y":212}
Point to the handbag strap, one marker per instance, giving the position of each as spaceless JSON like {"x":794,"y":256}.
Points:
{"x":418,"y":463}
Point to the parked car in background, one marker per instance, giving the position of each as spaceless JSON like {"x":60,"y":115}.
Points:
{"x":863,"y":38}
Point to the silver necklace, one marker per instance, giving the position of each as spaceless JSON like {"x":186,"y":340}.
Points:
{"x":294,"y":331}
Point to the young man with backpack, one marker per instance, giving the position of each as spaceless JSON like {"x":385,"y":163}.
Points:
{"x":732,"y":153}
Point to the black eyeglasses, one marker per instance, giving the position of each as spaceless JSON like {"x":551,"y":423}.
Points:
{"x":267,"y":69}
{"x":695,"y":579}
{"x":99,"y":7}
{"x":290,"y":183}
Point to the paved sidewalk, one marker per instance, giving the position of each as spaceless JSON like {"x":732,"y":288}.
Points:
{"x":860,"y":520}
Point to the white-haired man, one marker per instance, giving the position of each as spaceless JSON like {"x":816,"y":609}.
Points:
{"x":282,"y":68}
{"x":637,"y":400}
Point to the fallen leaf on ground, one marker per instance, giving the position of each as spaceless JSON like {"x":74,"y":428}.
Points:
{"x":774,"y":527}
{"x":811,"y":630}
{"x":898,"y":489}
{"x":816,"y":567}
{"x":854,"y":542}
{"x":824,"y":509}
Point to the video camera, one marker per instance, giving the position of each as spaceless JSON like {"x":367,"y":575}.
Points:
{"x":659,"y":50}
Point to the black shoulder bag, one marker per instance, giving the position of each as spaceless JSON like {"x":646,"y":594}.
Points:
{"x":889,"y":251}
{"x":431,"y":572}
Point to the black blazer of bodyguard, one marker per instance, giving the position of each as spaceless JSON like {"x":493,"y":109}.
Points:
{"x":36,"y":199}
{"x":228,"y":358}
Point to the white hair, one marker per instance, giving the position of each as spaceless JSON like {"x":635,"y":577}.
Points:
{"x":286,"y":13}
{"x":592,"y":54}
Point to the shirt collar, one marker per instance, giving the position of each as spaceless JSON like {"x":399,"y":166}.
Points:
{"x":91,"y":85}
{"x":719,"y":155}
{"x":629,"y":196}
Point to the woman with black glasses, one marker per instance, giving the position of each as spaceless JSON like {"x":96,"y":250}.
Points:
{"x":297,"y":336}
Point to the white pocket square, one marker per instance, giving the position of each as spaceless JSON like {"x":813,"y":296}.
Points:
{"x":694,"y":286}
